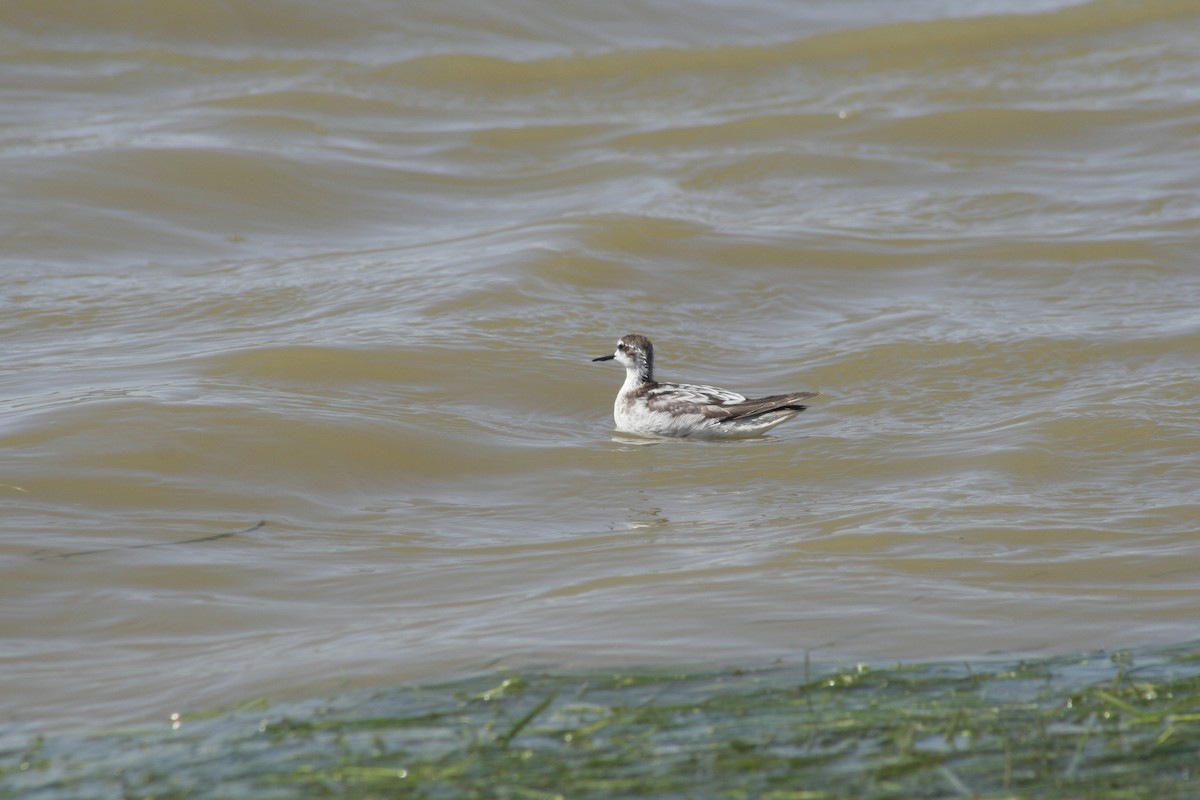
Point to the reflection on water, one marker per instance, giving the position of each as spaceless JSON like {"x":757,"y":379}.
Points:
{"x":341,"y":270}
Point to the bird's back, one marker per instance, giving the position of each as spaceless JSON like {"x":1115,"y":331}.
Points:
{"x":697,"y":411}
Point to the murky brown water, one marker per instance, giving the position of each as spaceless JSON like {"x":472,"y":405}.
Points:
{"x":342,"y":268}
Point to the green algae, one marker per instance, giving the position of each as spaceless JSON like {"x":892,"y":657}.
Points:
{"x":1097,"y":726}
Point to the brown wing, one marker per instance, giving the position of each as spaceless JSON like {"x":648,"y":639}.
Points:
{"x":765,"y":405}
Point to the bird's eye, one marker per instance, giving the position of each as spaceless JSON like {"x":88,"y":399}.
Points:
{"x":621,"y":347}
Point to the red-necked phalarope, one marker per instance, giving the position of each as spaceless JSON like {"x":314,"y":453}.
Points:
{"x":651,"y":408}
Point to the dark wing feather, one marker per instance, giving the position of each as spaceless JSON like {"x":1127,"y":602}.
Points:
{"x":766,"y":405}
{"x":714,"y":403}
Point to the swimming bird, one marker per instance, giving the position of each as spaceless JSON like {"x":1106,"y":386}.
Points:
{"x":686,"y":410}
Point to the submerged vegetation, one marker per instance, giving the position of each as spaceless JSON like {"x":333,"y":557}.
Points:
{"x":1102,"y":726}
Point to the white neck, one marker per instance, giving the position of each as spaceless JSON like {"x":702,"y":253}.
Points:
{"x":631,"y":379}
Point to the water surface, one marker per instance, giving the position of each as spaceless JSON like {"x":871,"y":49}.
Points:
{"x":342,"y":268}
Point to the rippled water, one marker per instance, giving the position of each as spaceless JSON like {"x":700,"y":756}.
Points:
{"x":341,"y":268}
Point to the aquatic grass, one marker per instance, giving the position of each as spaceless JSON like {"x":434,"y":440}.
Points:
{"x":1109,"y":727}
